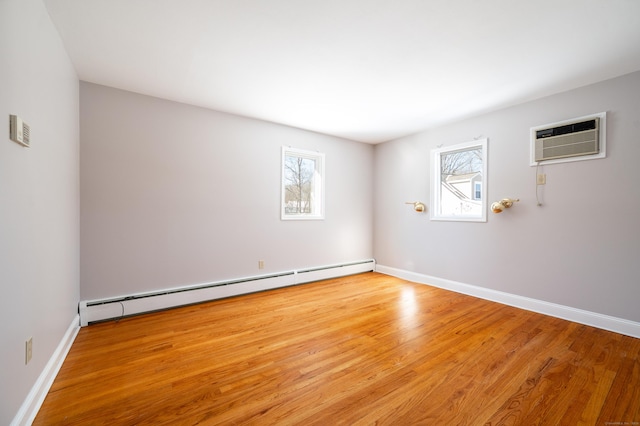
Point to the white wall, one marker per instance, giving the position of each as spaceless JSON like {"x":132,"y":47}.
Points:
{"x":175,"y":195}
{"x":580,"y":249}
{"x":39,"y":198}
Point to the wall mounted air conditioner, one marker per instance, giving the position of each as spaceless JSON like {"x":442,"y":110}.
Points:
{"x":19,"y":131}
{"x":577,"y":139}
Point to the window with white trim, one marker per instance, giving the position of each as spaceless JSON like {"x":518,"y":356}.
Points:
{"x":458,"y":178}
{"x":302,"y":184}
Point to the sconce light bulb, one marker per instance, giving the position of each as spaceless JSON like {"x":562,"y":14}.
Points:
{"x":505,"y":203}
{"x":417,"y":206}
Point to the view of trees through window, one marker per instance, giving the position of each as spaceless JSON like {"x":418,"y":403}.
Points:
{"x":298,"y":177}
{"x":461,"y":162}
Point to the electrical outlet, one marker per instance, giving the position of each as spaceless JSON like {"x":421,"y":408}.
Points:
{"x":28,"y":350}
{"x":260,"y":264}
{"x":541,"y":179}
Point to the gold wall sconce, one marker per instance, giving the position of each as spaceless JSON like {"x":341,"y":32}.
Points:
{"x":417,"y":206}
{"x":505,"y":203}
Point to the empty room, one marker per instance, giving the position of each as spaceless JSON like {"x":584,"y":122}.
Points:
{"x":300,"y":212}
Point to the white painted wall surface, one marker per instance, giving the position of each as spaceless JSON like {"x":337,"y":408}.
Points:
{"x":580,"y":249}
{"x":39,"y":198}
{"x":175,"y":195}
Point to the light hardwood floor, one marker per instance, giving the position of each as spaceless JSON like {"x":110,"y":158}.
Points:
{"x":359,"y":350}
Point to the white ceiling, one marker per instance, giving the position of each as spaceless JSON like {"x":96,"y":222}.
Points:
{"x":367,"y":70}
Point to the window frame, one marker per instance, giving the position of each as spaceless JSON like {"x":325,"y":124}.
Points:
{"x":317,"y":210}
{"x":436,"y":181}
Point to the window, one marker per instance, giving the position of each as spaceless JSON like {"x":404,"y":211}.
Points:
{"x":459,"y":176}
{"x":302,"y":184}
{"x":477,"y":191}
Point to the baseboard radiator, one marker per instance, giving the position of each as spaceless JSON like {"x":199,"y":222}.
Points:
{"x":92,"y":311}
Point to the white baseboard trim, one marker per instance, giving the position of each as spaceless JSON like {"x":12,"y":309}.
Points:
{"x":29,"y":409}
{"x":605,"y":322}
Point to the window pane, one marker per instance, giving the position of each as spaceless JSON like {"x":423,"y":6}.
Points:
{"x":459,"y":171}
{"x":299,"y":184}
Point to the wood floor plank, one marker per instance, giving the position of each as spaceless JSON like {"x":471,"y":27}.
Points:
{"x":359,"y":350}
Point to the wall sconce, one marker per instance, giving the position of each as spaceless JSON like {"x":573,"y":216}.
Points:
{"x":417,"y":206}
{"x":505,"y":203}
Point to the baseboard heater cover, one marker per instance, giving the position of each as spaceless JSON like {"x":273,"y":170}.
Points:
{"x":92,"y":311}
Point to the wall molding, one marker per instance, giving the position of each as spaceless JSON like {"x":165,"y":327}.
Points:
{"x":605,"y":322}
{"x":31,"y":405}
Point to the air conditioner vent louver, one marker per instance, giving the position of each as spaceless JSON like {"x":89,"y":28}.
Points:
{"x":568,"y":140}
{"x":26,"y":134}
